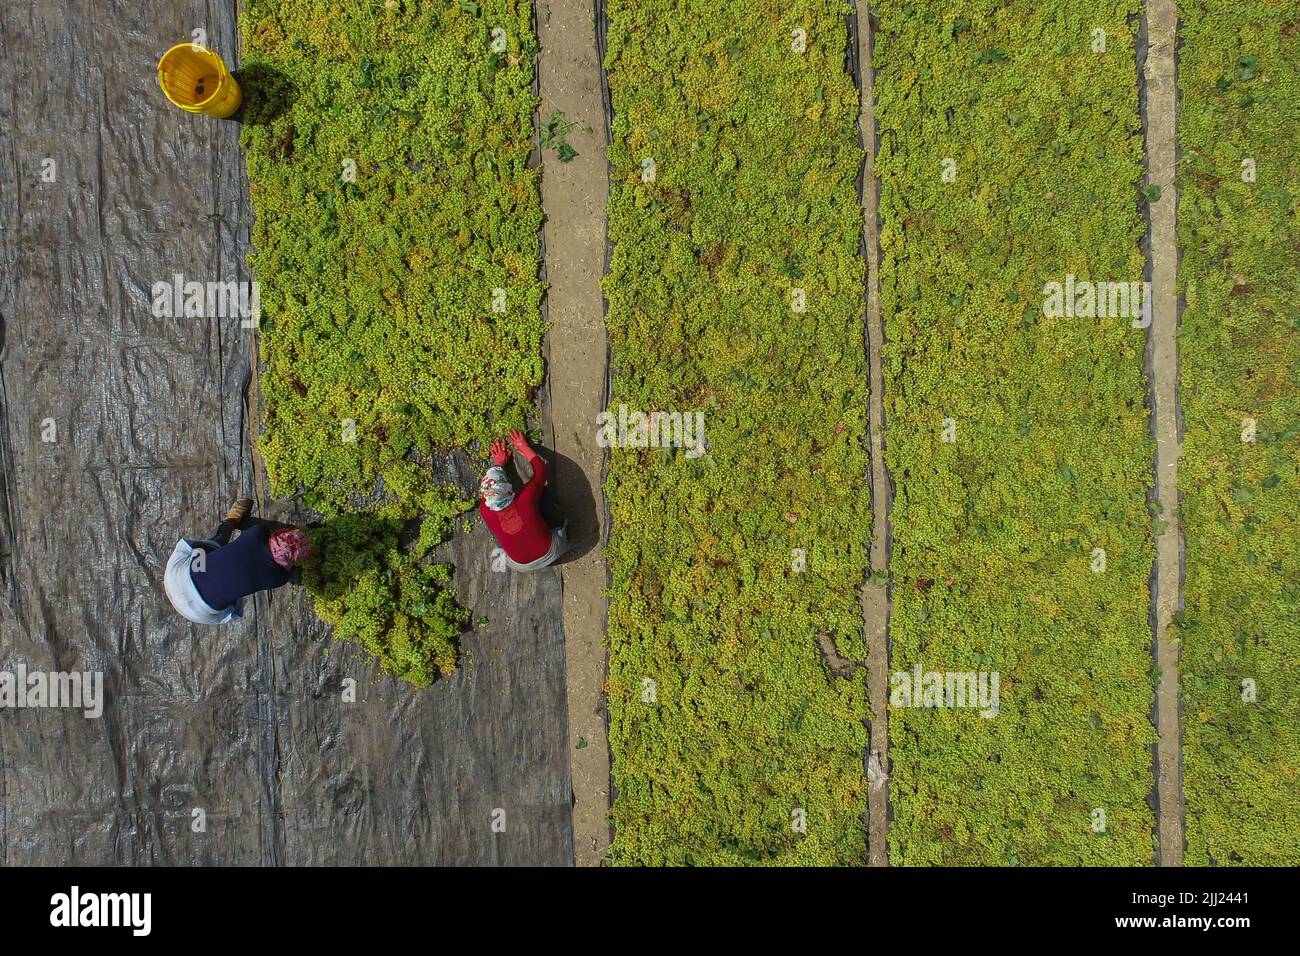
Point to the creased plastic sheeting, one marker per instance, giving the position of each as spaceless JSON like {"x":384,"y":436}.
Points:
{"x":245,"y":723}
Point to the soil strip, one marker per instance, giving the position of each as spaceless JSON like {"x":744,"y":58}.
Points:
{"x":574,"y":195}
{"x":1161,"y":104}
{"x":875,"y":596}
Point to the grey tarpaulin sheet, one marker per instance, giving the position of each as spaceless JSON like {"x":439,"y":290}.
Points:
{"x":245,"y":723}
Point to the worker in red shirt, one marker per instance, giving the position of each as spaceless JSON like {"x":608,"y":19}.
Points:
{"x":515,"y":520}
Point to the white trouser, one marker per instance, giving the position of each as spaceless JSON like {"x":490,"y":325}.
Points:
{"x":184,"y":596}
{"x":559,"y":544}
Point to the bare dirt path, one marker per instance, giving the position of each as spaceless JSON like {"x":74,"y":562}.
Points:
{"x":574,"y":194}
{"x":1161,"y":103}
{"x":875,"y":596}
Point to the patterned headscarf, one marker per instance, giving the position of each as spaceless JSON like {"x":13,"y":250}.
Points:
{"x":496,"y":489}
{"x":289,"y":546}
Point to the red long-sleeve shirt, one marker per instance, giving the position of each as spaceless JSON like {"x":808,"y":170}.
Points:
{"x":520,"y":529}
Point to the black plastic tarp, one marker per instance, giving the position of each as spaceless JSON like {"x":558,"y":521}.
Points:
{"x":245,"y":724}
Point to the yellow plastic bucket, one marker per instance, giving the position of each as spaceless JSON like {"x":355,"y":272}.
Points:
{"x":196,"y":79}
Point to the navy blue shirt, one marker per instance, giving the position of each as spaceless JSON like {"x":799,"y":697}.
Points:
{"x":238,"y":569}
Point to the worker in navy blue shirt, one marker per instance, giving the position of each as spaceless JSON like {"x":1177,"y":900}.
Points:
{"x":207,"y":581}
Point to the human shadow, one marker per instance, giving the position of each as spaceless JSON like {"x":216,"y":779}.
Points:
{"x":569,"y":495}
{"x":267,"y":94}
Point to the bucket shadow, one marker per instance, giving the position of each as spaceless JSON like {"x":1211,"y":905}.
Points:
{"x":267,"y":94}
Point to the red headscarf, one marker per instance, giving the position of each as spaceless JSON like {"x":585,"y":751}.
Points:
{"x":289,"y":546}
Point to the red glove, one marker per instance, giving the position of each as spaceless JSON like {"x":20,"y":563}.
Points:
{"x":500,"y":453}
{"x":520,"y":442}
